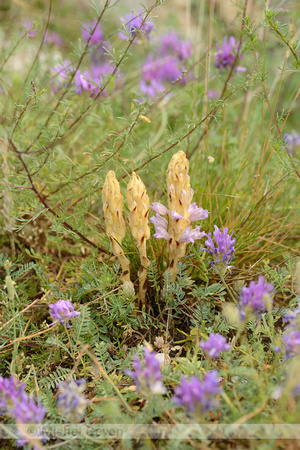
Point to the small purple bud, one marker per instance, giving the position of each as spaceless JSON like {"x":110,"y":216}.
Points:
{"x":63,"y":310}
{"x":215,"y":344}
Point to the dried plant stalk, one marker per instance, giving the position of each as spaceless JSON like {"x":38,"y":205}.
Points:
{"x":179,"y":199}
{"x":8,"y":203}
{"x":115,"y":225}
{"x":138,"y":203}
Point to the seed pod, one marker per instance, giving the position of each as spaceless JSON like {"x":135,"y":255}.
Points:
{"x":115,"y":225}
{"x":138,"y":203}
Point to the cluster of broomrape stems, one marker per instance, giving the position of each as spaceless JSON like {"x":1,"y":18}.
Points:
{"x":179,"y":206}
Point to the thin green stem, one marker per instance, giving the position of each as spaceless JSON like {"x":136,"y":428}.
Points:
{"x":228,"y":289}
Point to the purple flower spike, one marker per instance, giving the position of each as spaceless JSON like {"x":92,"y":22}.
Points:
{"x":147,"y":375}
{"x":292,"y":141}
{"x":159,"y":208}
{"x":171,"y":44}
{"x":198,"y":395}
{"x":190,"y":235}
{"x":87,"y":29}
{"x":223,"y":252}
{"x":71,"y":401}
{"x":170,"y":70}
{"x":292,"y":317}
{"x":196,"y":213}
{"x":15,"y":402}
{"x":292,"y":343}
{"x":63,"y":310}
{"x":64,"y":71}
{"x":51,"y":37}
{"x":215,"y":344}
{"x":81,"y":82}
{"x":226,"y":56}
{"x":255,"y":298}
{"x":134,"y":24}
{"x":213,"y":94}
{"x":161,"y":225}
{"x":151,"y":82}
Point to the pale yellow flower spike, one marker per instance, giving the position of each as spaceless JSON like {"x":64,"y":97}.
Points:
{"x":138,"y":203}
{"x":179,"y":199}
{"x":115,"y":225}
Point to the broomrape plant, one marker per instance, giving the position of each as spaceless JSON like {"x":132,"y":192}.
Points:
{"x":179,"y":305}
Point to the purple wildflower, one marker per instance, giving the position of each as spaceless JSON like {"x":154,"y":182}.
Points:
{"x":51,"y":37}
{"x":71,"y":401}
{"x":97,"y":35}
{"x":292,"y":343}
{"x":196,"y":394}
{"x":85,"y":83}
{"x":64,"y":71}
{"x":134,"y":24}
{"x":30,"y":27}
{"x":196,"y":213}
{"x":15,"y":402}
{"x":151,"y":82}
{"x":226,"y":56}
{"x":172,"y":45}
{"x":292,"y":317}
{"x":212,"y":94}
{"x":100,"y":72}
{"x":255,"y":298}
{"x":190,"y":235}
{"x":81,"y":82}
{"x":159,"y":208}
{"x":215,"y":344}
{"x":63,"y":310}
{"x":292,"y":141}
{"x":223,"y":252}
{"x":161,"y":225}
{"x":169,"y":69}
{"x":147,"y":376}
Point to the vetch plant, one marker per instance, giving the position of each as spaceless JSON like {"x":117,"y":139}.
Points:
{"x":146,"y":374}
{"x":256,"y":299}
{"x":227,"y":55}
{"x":198,"y":396}
{"x":24,"y":409}
{"x":214,"y":345}
{"x":70,"y":400}
{"x":291,"y":343}
{"x":222,"y":250}
{"x":134,"y":24}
